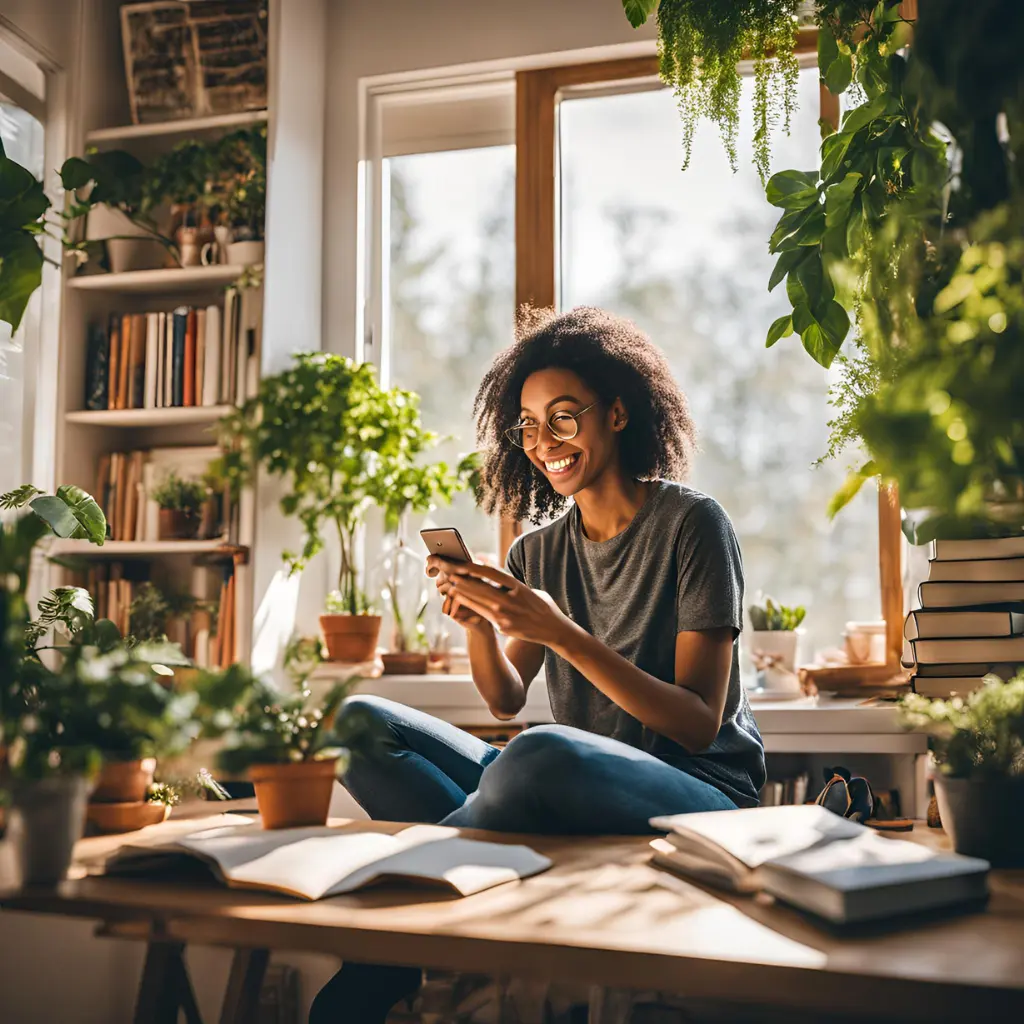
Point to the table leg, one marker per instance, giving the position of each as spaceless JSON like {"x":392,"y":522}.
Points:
{"x":158,"y":999}
{"x":244,"y":983}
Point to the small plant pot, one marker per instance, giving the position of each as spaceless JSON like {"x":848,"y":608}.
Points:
{"x":108,"y":819}
{"x":350,"y":638}
{"x":134,"y":249}
{"x":174,"y":524}
{"x":782,"y":643}
{"x":294,"y":795}
{"x":984,"y":817}
{"x":190,"y":246}
{"x":245,"y":254}
{"x":52,"y":813}
{"x":404,"y":663}
{"x":123,"y":782}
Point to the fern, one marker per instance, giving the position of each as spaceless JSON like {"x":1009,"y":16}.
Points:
{"x":19,"y":497}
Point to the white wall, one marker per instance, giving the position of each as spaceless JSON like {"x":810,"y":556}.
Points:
{"x":368,"y":38}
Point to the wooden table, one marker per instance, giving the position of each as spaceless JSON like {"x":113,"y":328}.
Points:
{"x":602,"y":917}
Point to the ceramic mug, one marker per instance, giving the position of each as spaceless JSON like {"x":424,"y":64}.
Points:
{"x":189,"y":249}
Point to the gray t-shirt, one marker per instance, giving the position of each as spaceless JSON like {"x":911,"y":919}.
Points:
{"x":676,"y":567}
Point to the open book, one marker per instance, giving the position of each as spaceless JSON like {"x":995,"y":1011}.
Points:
{"x":313,"y":863}
{"x":816,"y":860}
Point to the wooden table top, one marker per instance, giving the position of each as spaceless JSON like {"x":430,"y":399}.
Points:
{"x":602,"y":915}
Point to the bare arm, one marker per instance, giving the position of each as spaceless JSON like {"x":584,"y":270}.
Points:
{"x":688,"y":710}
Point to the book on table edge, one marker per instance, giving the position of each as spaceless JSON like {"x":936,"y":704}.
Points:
{"x":942,"y":623}
{"x":984,"y":570}
{"x":817,"y":861}
{"x":318,"y":862}
{"x":935,"y":594}
{"x":981,"y":548}
{"x":945,"y":687}
{"x":1003,"y":669}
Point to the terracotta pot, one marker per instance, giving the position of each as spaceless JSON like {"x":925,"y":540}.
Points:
{"x":124,"y":781}
{"x":125,"y":817}
{"x":350,"y":638}
{"x":984,"y":817}
{"x":404,"y":663}
{"x":52,"y":813}
{"x":175,"y":524}
{"x":295,"y":794}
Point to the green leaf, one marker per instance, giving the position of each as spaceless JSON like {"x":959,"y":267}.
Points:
{"x":849,"y":488}
{"x":792,"y":190}
{"x":19,"y":497}
{"x":72,"y":514}
{"x":855,"y":228}
{"x":21,"y":273}
{"x":22,"y":199}
{"x":901,"y":35}
{"x":822,"y":332}
{"x":858,"y":117}
{"x":638,"y":11}
{"x":785,"y":264}
{"x":839,"y":74}
{"x":838,"y":199}
{"x":780,"y":328}
{"x":833,"y":153}
{"x":828,"y":49}
{"x":75,"y":173}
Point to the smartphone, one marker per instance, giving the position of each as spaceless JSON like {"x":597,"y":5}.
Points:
{"x":446,"y":542}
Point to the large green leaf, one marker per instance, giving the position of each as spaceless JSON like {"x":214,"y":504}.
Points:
{"x":638,"y":11}
{"x":785,"y":264}
{"x":849,"y":488}
{"x":839,"y":74}
{"x":21,"y":273}
{"x":838,"y":199}
{"x":792,"y":190}
{"x":72,"y":514}
{"x":22,"y":199}
{"x":828,"y":49}
{"x":822,"y":331}
{"x":858,"y":117}
{"x":833,"y":153}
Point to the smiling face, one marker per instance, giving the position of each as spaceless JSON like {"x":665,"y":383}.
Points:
{"x":555,"y":395}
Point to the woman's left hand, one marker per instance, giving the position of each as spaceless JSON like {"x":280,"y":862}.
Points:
{"x":515,"y":609}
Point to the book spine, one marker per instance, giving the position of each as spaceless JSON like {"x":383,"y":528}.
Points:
{"x":114,"y":362}
{"x":97,"y":369}
{"x":178,"y":358}
{"x":152,"y":363}
{"x":124,"y":371}
{"x":200,"y":355}
{"x":189,"y":368}
{"x":211,"y":373}
{"x":137,"y":397}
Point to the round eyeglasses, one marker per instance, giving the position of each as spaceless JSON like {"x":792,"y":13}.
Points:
{"x":562,"y":425}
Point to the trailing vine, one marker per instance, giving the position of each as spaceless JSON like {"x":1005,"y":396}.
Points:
{"x":700,"y":45}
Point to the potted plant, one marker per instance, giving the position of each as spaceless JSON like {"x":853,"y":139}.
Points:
{"x":977,"y":743}
{"x":776,"y":632}
{"x":240,"y":189}
{"x":288,"y":744}
{"x":183,"y":177}
{"x":181,"y":502}
{"x":343,"y":445}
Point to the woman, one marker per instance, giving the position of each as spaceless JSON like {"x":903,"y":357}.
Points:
{"x":631,"y":601}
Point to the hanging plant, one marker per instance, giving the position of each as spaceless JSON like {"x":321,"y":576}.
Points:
{"x":700,"y":45}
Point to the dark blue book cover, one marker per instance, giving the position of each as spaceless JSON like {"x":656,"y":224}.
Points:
{"x":178,"y":356}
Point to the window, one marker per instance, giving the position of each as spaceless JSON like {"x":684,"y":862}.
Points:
{"x":684,"y":255}
{"x":22,"y":135}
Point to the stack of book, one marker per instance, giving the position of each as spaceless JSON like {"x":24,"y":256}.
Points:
{"x":175,"y":358}
{"x":125,"y":482}
{"x":971,"y":619}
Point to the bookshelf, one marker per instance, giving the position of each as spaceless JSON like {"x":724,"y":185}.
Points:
{"x":83,"y":435}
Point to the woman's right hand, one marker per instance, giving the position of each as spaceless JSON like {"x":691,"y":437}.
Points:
{"x":451,"y":606}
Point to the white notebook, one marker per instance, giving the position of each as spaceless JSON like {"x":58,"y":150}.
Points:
{"x":816,"y":860}
{"x":314,"y":863}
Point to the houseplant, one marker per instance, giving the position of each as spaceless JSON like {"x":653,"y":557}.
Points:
{"x":291,"y":750}
{"x":343,"y":445}
{"x":181,"y":502}
{"x":776,"y":632}
{"x":240,"y":193}
{"x":183,"y":177}
{"x":978,"y":746}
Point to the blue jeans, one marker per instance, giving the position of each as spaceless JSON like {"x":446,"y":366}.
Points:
{"x":551,"y":779}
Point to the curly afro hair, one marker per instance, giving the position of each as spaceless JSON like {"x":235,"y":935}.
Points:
{"x":615,"y":359}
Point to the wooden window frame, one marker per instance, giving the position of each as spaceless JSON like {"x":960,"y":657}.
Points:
{"x":537,"y":97}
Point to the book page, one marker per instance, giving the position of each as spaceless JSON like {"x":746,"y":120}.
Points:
{"x":757,"y":835}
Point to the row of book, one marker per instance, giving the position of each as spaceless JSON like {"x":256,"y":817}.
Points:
{"x":126,"y":482}
{"x":971,"y":619}
{"x":176,"y":358}
{"x":776,"y":792}
{"x":201,"y":622}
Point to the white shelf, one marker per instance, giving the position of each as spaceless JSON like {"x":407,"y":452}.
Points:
{"x":171,"y":417}
{"x":172,"y":279}
{"x":188,"y":126}
{"x":139,"y":548}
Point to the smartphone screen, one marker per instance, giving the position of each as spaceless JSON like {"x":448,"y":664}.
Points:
{"x":446,"y":542}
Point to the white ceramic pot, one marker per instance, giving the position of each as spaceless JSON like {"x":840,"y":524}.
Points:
{"x":780,"y":643}
{"x":245,"y":254}
{"x":52,"y":813}
{"x":138,"y":251}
